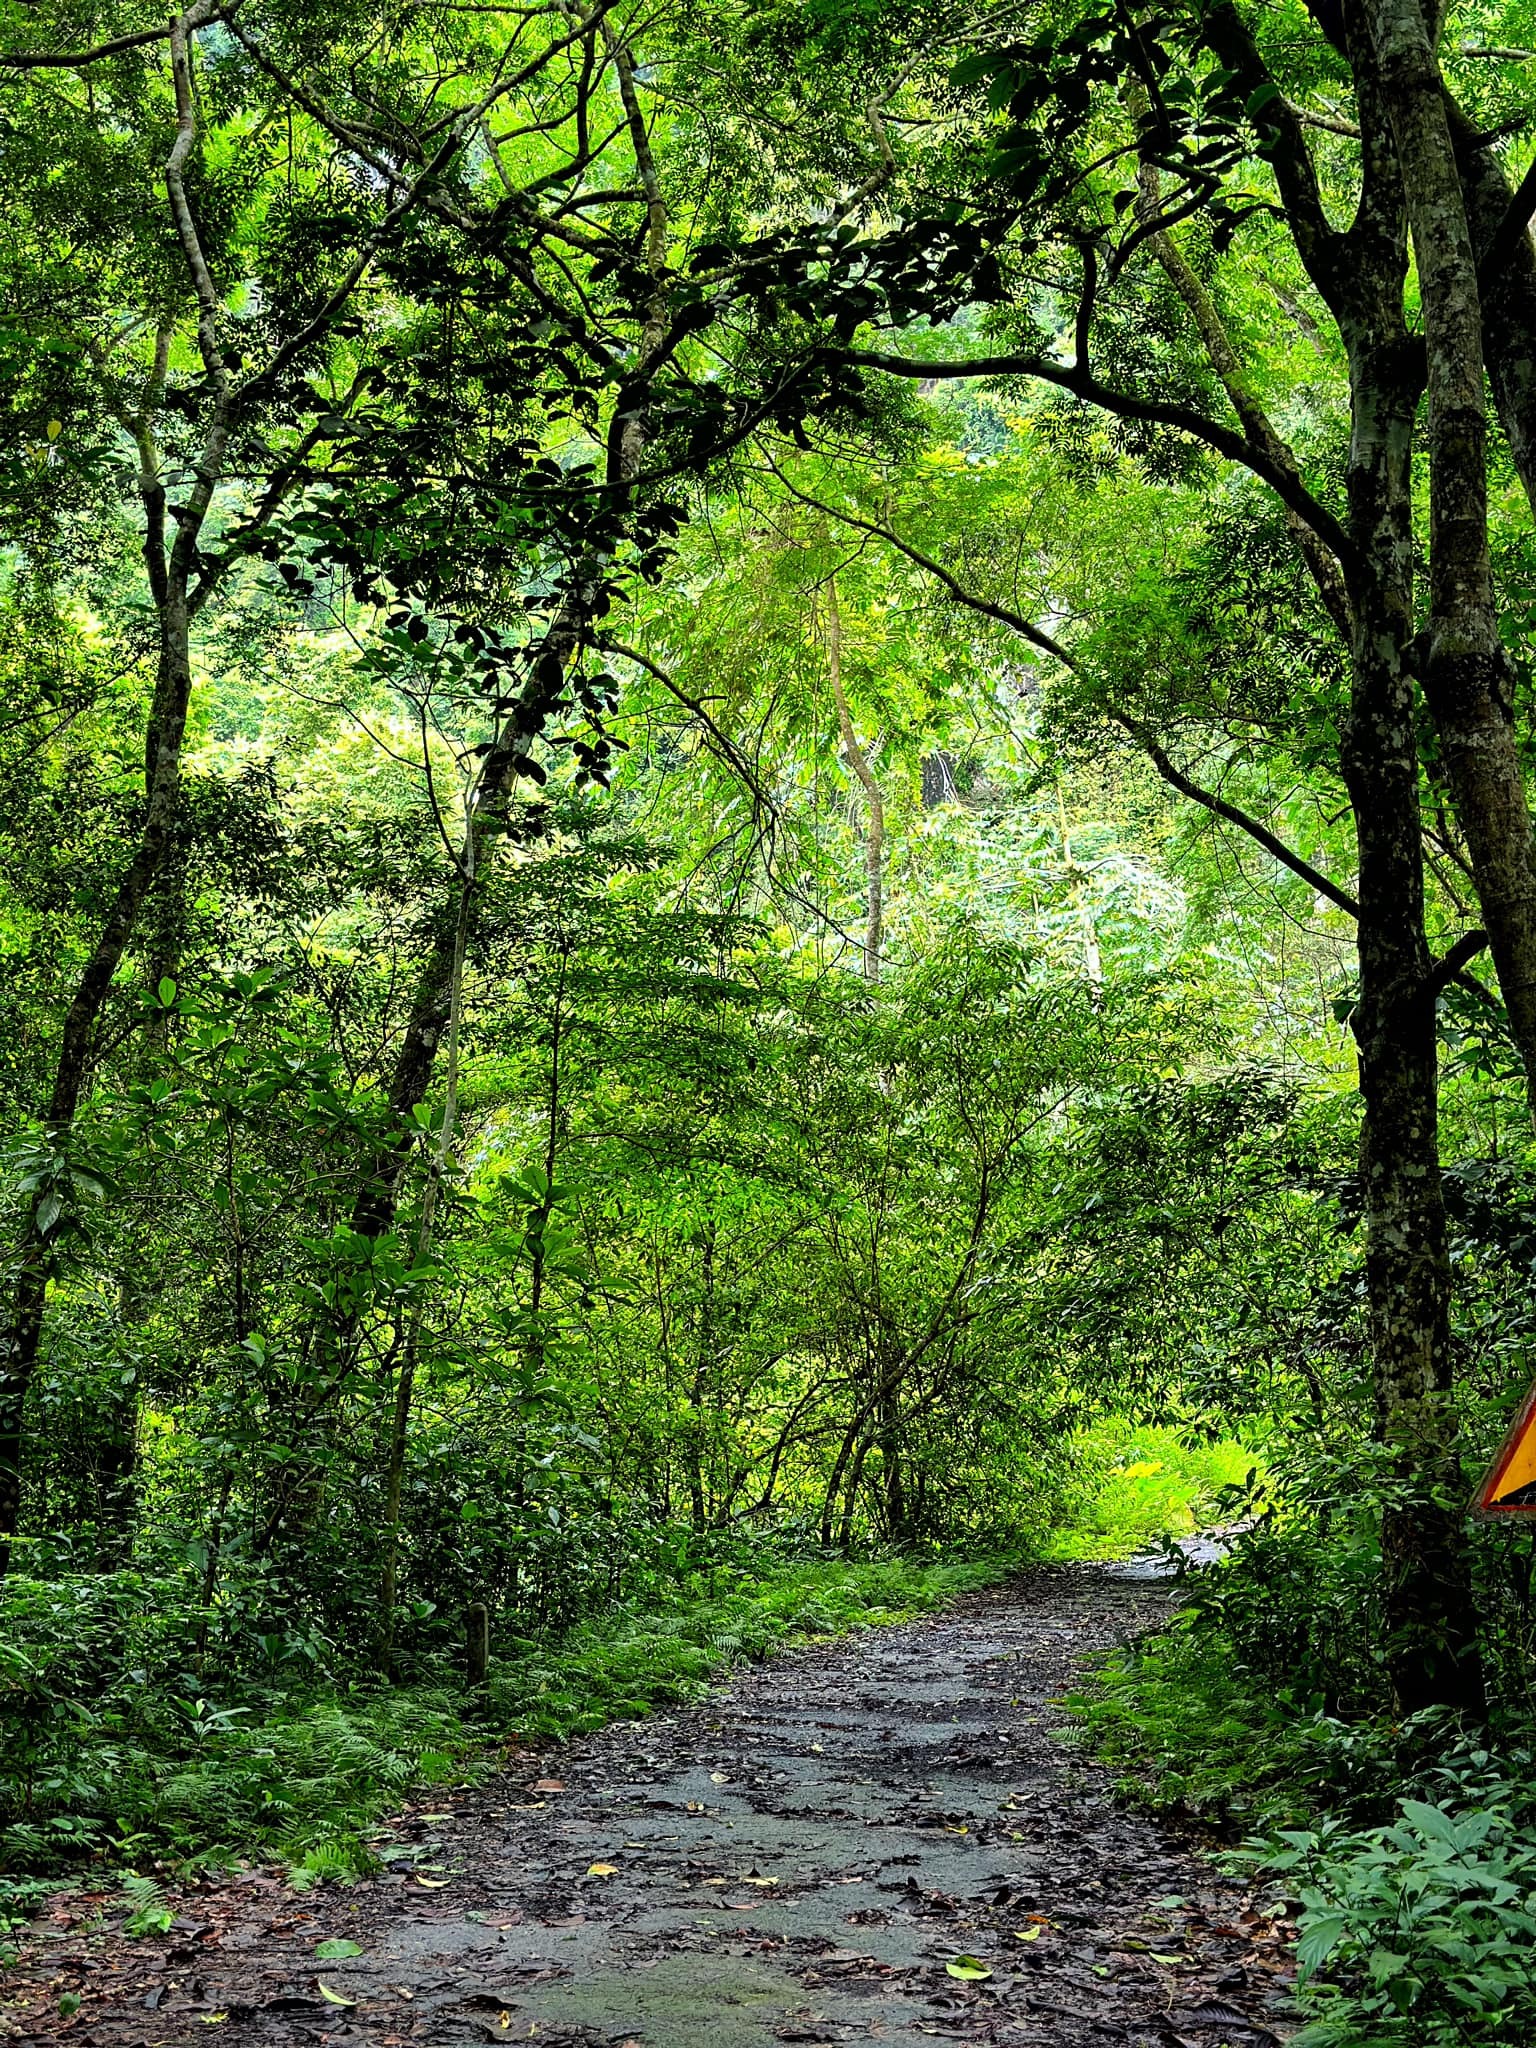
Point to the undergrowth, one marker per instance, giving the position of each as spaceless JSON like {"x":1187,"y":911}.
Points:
{"x":131,"y":1739}
{"x":159,"y":1776}
{"x":630,"y":1662}
{"x":1405,"y":1844}
{"x":1137,"y":1483}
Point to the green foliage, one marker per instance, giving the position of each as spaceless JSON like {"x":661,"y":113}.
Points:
{"x":1189,"y":1733}
{"x":1407,"y":1846}
{"x":1424,"y":1927}
{"x":137,"y":1770}
{"x":1137,"y":1483}
{"x":148,"y":1912}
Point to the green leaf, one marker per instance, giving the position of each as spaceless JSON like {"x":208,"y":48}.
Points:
{"x":978,"y":65}
{"x":969,"y":1969}
{"x":334,"y":1951}
{"x":1320,"y":1936}
{"x":334,"y":1997}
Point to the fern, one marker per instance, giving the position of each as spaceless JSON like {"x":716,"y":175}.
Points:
{"x":330,"y":1862}
{"x":150,"y":1914}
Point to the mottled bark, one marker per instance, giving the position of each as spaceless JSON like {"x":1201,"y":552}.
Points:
{"x":1361,"y":273}
{"x":1430,"y":1644}
{"x":1468,"y":683}
{"x":1431,"y":1623}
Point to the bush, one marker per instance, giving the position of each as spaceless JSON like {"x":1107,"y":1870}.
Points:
{"x":1136,"y":1483}
{"x":1426,"y":1928}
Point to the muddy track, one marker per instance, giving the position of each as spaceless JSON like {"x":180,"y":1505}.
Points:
{"x":796,"y":1862}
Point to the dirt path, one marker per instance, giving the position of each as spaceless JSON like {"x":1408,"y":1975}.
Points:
{"x":794,"y":1863}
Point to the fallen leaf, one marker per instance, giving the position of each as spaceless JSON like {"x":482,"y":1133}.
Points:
{"x":602,"y":1870}
{"x":969,"y":1969}
{"x":718,"y":1778}
{"x":549,"y":1784}
{"x":437,"y":1816}
{"x":434,"y":1884}
{"x":1026,"y":1933}
{"x":335,"y":1951}
{"x":759,"y":1880}
{"x":213,"y":2019}
{"x":332,"y":1997}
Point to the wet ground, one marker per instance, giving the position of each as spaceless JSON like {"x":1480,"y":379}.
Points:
{"x":800,"y":1861}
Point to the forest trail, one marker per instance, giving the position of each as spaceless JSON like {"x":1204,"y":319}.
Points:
{"x":794,"y":1862}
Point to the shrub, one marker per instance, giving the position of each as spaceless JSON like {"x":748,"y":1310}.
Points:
{"x":1425,"y":1929}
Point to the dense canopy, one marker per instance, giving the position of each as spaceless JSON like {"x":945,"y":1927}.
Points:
{"x":763,"y":767}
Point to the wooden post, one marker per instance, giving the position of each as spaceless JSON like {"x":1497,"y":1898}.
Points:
{"x":477,"y":1641}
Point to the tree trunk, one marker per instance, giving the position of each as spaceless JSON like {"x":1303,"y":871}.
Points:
{"x":21,"y":1335}
{"x":858,"y":761}
{"x":1431,"y":1630}
{"x":892,"y":1478}
{"x":1468,"y":682}
{"x":695,"y":1434}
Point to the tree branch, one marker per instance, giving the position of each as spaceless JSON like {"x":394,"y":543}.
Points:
{"x":1125,"y":405}
{"x":724,"y":745}
{"x":1003,"y":614}
{"x":1220,"y":808}
{"x":70,"y":60}
{"x":1256,"y":423}
{"x":1172,"y":775}
{"x":1506,"y":237}
{"x":1451,"y":965}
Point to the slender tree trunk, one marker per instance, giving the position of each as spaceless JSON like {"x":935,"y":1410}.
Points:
{"x":695,"y":1434}
{"x":405,"y":1385}
{"x":892,"y":1476}
{"x":1229,"y":368}
{"x":858,"y":761}
{"x":22,"y":1332}
{"x":629,"y":436}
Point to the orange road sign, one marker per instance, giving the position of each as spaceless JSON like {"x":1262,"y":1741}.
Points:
{"x":1510,"y":1487}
